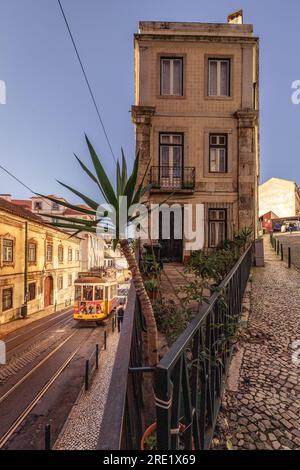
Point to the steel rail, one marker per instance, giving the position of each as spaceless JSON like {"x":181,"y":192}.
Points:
{"x":25,"y":377}
{"x":36,"y":399}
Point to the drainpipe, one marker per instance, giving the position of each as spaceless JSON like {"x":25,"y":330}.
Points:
{"x":24,"y":307}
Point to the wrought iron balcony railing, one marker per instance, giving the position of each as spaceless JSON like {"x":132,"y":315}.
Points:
{"x":172,"y":177}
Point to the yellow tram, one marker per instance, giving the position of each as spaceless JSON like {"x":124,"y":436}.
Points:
{"x":95,"y":296}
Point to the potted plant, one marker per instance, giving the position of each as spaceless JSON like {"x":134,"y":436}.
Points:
{"x":151,"y":286}
{"x":149,"y":439}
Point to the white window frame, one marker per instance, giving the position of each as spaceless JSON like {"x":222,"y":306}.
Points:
{"x":171,"y":84}
{"x":219,"y":61}
{"x":6,"y":250}
{"x":217,"y":146}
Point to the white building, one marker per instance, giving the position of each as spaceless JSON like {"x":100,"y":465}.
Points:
{"x":280,"y":196}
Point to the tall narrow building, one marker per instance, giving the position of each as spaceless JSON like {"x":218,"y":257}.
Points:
{"x":196,"y":119}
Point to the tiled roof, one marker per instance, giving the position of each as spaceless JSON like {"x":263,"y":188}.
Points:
{"x":19,"y":210}
{"x":22,"y":202}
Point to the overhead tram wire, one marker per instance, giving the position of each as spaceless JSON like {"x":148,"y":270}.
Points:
{"x":23,"y":184}
{"x":86,"y":80}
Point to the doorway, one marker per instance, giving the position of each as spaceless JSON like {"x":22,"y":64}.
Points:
{"x":172,"y":248}
{"x":48,"y":291}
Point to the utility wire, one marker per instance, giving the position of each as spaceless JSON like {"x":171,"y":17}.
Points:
{"x":87,"y":81}
{"x":21,"y":182}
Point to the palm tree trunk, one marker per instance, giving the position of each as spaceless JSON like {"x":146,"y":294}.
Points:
{"x":145,"y":303}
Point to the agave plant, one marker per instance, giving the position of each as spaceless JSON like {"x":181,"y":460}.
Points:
{"x":129,"y":187}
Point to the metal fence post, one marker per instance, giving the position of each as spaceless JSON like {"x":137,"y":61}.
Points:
{"x":278,"y":247}
{"x":105,"y":339}
{"x":113,"y":324}
{"x":97,"y":356}
{"x":289,"y":257}
{"x":87,"y":366}
{"x":281,"y":251}
{"x":47,"y":437}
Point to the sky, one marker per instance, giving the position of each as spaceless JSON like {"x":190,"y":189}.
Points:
{"x":48,"y":108}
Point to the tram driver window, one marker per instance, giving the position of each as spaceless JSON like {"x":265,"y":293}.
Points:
{"x":87,"y":292}
{"x":98,"y":293}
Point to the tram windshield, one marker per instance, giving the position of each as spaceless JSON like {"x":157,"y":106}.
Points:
{"x":87,"y":293}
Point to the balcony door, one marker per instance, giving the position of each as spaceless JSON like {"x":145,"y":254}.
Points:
{"x":171,"y":160}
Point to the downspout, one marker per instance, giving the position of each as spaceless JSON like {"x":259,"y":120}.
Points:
{"x":24,"y":307}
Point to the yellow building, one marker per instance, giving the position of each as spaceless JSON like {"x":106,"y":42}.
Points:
{"x":51,"y":258}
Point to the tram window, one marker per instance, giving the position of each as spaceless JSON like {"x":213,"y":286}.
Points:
{"x":77,"y":292}
{"x":106,"y":292}
{"x":98,"y":293}
{"x":87,"y":293}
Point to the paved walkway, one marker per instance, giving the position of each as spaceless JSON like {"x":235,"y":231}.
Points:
{"x":264,"y":411}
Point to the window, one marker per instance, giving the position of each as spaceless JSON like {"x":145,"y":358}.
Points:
{"x":49,"y":253}
{"x":70,"y":254}
{"x":60,"y":254}
{"x":87,"y":292}
{"x":7,"y":299}
{"x":31,"y":291}
{"x":32,"y":249}
{"x":70,"y":280}
{"x":37,"y":206}
{"x":8,"y":250}
{"x":217,"y":226}
{"x":98,"y":293}
{"x":77,"y":255}
{"x":219,"y":77}
{"x":55,"y":206}
{"x":170,"y":154}
{"x":77,"y":292}
{"x":171,"y":76}
{"x":60,"y":282}
{"x":218,"y":153}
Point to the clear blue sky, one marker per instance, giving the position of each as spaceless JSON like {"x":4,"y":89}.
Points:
{"x":48,"y":106}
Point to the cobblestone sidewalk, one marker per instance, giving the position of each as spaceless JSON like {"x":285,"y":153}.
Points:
{"x":264,"y":411}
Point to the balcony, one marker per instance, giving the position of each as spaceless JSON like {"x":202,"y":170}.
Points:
{"x":170,"y":178}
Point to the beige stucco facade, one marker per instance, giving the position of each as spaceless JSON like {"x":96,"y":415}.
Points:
{"x":50,"y":276}
{"x":196,"y":116}
{"x":279,"y":196}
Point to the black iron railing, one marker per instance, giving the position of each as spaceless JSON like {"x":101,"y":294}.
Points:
{"x":188,"y":381}
{"x":122,"y":424}
{"x":190,"y":378}
{"x":172,"y":177}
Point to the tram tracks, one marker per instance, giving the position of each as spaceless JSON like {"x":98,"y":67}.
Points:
{"x":32,"y":404}
{"x":17,"y":403}
{"x":14,"y":341}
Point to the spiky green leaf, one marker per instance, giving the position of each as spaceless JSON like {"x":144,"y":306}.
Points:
{"x":102,"y":176}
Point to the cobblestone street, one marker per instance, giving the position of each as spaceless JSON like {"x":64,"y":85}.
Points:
{"x":263,"y":412}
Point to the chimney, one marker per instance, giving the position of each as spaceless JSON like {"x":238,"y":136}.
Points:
{"x":235,"y":18}
{"x":7,"y":197}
